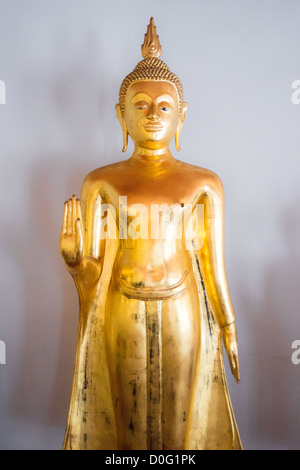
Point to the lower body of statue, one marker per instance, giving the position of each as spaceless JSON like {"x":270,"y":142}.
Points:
{"x":153,"y":353}
{"x":149,"y":374}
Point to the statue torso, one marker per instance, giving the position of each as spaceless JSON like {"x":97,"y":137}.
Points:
{"x":151,"y":263}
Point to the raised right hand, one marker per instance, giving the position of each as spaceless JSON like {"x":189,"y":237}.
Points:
{"x":71,"y":238}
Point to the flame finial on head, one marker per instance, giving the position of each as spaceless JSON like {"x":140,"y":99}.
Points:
{"x":150,"y":68}
{"x":151,"y":46}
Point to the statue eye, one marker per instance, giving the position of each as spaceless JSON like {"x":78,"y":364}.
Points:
{"x":165,"y":109}
{"x":141,"y":106}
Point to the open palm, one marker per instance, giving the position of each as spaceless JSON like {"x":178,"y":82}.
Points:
{"x":71,"y":238}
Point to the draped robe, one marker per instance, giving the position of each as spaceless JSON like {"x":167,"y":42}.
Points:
{"x":91,"y":421}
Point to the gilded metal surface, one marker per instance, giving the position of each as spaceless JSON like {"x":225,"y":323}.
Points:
{"x":154,"y":310}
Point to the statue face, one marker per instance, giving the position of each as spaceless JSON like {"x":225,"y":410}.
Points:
{"x":152,"y":113}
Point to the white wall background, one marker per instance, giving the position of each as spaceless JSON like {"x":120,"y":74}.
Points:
{"x":63,"y":62}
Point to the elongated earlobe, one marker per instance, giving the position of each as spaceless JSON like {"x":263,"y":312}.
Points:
{"x":177,"y":140}
{"x":179,"y":128}
{"x":125,"y":140}
{"x":123,"y":127}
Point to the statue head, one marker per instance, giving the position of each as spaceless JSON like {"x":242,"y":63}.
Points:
{"x":151,"y":108}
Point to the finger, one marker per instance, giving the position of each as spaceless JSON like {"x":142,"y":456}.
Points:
{"x":78,"y":228}
{"x":236,"y":371}
{"x":69,"y":218}
{"x":79,"y":237}
{"x":74,"y":217}
{"x":233,"y":360}
{"x":78,"y":209}
{"x":238,"y":378}
{"x":65,"y":216}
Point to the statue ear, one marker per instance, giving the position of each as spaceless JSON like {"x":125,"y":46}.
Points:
{"x":123,"y":126}
{"x":180,"y":125}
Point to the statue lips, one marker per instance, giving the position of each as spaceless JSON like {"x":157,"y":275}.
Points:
{"x":153,"y":127}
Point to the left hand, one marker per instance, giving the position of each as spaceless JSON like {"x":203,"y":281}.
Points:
{"x":231,"y":346}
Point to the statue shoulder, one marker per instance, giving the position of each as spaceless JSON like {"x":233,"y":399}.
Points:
{"x":96,"y":179}
{"x":211,"y":185}
{"x":206,"y":181}
{"x":211,"y":182}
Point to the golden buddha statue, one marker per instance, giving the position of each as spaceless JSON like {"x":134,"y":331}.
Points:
{"x":154,"y":309}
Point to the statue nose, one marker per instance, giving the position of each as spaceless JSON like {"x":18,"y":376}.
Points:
{"x":153,"y":114}
{"x":153,"y":117}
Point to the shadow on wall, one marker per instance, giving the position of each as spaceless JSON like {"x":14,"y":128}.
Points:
{"x":43,"y":375}
{"x":274,"y":319}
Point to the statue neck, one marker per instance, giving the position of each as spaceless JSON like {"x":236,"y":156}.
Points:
{"x":144,"y":155}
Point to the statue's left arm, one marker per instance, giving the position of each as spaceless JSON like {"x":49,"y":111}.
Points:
{"x":213,"y":266}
